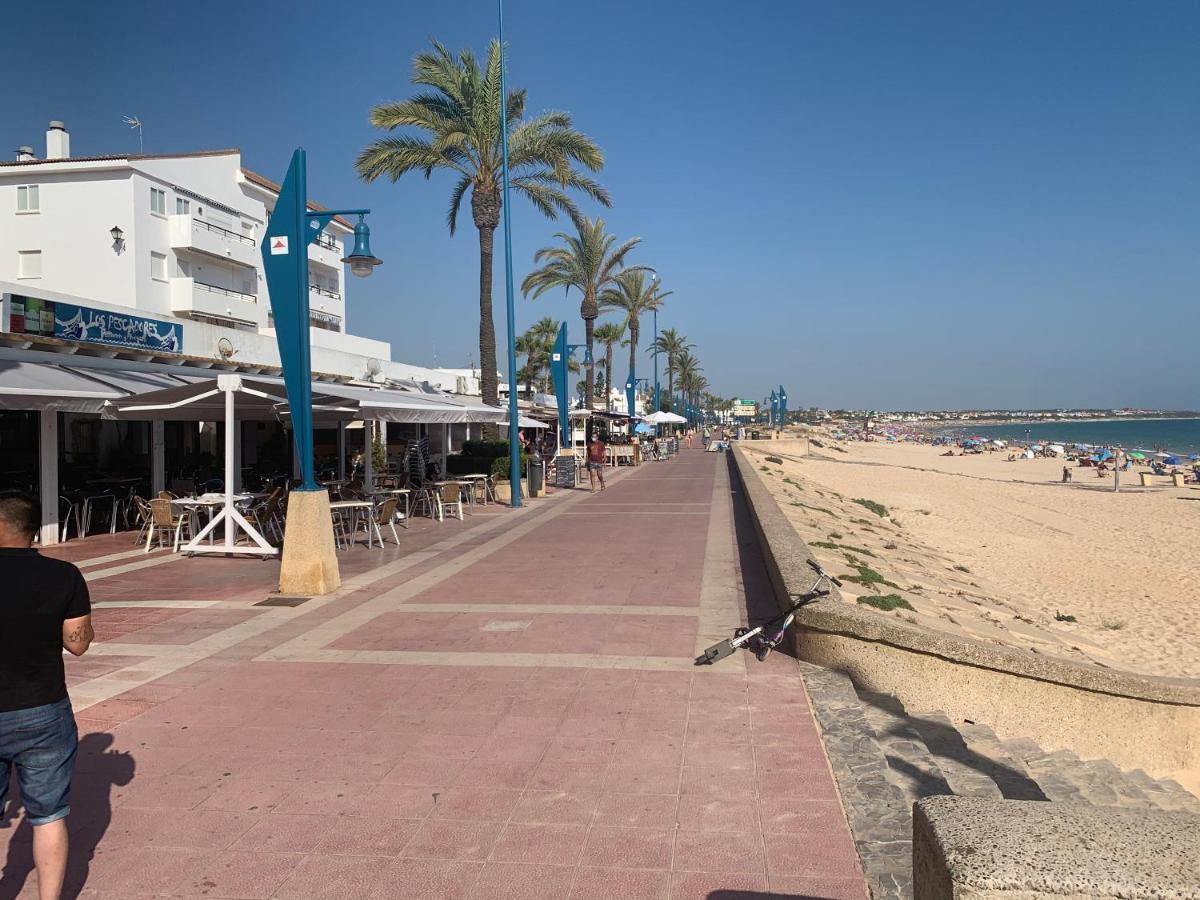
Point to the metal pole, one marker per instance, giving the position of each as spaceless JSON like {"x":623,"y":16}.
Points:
{"x":656,"y":400}
{"x":514,"y":456}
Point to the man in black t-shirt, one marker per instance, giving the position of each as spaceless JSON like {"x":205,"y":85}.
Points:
{"x":44,"y":609}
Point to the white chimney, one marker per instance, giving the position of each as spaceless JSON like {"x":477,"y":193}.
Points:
{"x":58,"y":142}
{"x":25,"y":154}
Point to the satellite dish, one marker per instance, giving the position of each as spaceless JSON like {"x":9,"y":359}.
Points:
{"x":226,"y":349}
{"x":374,"y":367}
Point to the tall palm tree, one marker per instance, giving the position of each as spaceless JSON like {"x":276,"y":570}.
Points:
{"x":633,"y":294}
{"x":544,"y":332}
{"x":608,"y":334}
{"x":671,"y":343}
{"x":687,"y":370}
{"x":587,"y":261}
{"x":460,"y":120}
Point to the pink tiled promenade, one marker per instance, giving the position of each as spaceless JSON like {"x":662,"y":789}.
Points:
{"x":499,"y":708}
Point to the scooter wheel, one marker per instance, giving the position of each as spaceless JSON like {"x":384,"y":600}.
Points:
{"x":763,"y":652}
{"x":739,"y":632}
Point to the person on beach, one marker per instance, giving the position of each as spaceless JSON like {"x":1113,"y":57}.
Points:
{"x":1067,"y":475}
{"x":46,"y":609}
{"x":596,"y":451}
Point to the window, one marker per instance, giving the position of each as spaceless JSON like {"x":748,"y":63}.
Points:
{"x":158,"y":201}
{"x":27,"y":198}
{"x":29,"y":263}
{"x":182,"y":206}
{"x":158,"y":266}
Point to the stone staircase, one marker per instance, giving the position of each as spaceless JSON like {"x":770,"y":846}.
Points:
{"x":886,"y":757}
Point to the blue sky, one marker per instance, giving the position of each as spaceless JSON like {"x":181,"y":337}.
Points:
{"x":875,"y":203}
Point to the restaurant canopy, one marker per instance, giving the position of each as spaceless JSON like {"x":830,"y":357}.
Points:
{"x":43,"y":386}
{"x":263,"y":397}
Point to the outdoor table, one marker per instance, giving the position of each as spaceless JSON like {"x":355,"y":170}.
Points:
{"x":354,"y":506}
{"x":209,"y":503}
{"x":406,"y":493}
{"x":486,"y":480}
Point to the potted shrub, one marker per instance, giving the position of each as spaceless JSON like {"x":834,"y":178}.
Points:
{"x":500,"y":475}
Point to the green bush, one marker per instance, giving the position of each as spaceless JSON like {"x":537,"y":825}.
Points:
{"x":485,"y":449}
{"x":886,"y":602}
{"x":500,"y":467}
{"x":878,"y":508}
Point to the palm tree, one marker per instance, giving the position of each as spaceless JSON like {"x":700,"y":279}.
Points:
{"x":608,"y":334}
{"x":544,"y":332}
{"x":588,"y":262}
{"x":633,"y":294}
{"x":688,"y":369}
{"x":671,"y":343}
{"x":460,"y":120}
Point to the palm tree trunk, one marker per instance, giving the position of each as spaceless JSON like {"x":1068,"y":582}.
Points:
{"x":485,"y":209}
{"x":588,"y":328}
{"x":633,"y":347}
{"x":608,"y":361}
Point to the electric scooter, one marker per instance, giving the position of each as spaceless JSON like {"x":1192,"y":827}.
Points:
{"x":764,"y":638}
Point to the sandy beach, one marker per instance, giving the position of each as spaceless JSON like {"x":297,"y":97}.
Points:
{"x":1003,"y":551}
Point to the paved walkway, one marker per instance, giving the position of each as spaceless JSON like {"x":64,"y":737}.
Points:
{"x":500,"y":708}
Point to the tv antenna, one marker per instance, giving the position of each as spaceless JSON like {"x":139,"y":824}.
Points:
{"x":135,"y":122}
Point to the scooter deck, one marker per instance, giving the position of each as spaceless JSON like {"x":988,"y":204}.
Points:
{"x":716,"y":652}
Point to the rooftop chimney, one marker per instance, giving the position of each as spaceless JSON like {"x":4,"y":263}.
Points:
{"x":58,"y":142}
{"x":25,"y":154}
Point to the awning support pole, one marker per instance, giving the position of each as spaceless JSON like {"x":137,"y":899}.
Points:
{"x":48,"y":474}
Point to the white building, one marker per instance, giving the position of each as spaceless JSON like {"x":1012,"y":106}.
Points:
{"x":174,"y":238}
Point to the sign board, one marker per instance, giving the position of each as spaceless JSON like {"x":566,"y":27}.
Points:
{"x":564,"y":471}
{"x":279,"y":246}
{"x":50,"y":318}
{"x":745,"y":408}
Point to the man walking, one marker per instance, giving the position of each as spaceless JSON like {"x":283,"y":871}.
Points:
{"x":596,"y":452}
{"x":44,"y":608}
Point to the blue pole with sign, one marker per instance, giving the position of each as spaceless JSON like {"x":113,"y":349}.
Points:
{"x":774,"y":408}
{"x":309,"y":562}
{"x":559,"y":358}
{"x":782,"y":407}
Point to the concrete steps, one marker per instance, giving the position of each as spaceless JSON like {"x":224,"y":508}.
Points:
{"x":886,"y":757}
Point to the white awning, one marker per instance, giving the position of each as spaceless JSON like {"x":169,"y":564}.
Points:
{"x":526,"y":422}
{"x":37,"y":386}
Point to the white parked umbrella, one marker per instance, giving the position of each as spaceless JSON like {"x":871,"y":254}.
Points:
{"x":665,"y":418}
{"x":526,"y":422}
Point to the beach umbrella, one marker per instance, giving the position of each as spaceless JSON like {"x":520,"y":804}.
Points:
{"x":1194,"y":457}
{"x":1037,"y":446}
{"x":1057,"y":448}
{"x":1137,"y":455}
{"x":1172,"y":460}
{"x":1162,"y":455}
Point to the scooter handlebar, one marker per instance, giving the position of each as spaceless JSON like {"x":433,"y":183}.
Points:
{"x":816,"y":567}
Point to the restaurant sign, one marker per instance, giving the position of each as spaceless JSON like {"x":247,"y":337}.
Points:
{"x":50,"y":318}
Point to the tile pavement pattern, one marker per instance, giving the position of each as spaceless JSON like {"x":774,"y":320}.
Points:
{"x":499,"y":708}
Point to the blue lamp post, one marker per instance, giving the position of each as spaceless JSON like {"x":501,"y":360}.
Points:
{"x":292,"y":227}
{"x":309,"y":564}
{"x":782,"y":407}
{"x":631,"y":385}
{"x":656,"y":394}
{"x":514,"y":453}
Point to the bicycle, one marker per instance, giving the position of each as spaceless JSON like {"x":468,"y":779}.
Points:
{"x":765,"y":637}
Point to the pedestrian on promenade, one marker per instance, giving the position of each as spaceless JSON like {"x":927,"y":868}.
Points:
{"x":595,"y":460}
{"x":46,"y":608}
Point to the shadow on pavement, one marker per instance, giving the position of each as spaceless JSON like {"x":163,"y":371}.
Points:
{"x":759,"y":895}
{"x":98,"y":769}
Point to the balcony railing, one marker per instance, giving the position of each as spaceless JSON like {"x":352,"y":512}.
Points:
{"x":224,"y":232}
{"x":327,"y":242}
{"x":324,"y":292}
{"x":226,"y":292}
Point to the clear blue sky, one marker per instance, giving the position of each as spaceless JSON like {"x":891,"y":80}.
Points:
{"x":875,"y":203}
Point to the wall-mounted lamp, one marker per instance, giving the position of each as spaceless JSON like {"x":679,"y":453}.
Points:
{"x":117,"y":234}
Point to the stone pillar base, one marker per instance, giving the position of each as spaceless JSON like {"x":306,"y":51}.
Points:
{"x":310,"y":563}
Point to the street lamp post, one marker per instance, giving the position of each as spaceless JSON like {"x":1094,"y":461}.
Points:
{"x":656,"y":399}
{"x":514,"y":453}
{"x":309,"y":564}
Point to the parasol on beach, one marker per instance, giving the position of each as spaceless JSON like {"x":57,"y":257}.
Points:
{"x":1171,"y":460}
{"x":1135,"y":454}
{"x":1194,"y":457}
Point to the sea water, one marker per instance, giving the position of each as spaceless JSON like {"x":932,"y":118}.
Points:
{"x":1176,"y":435}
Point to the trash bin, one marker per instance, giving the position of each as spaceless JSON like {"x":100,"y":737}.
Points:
{"x":754,"y":435}
{"x":535,"y":473}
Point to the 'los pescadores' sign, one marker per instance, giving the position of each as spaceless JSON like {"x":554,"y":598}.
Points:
{"x":30,"y":315}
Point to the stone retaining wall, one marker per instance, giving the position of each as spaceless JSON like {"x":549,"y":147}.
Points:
{"x":1016,"y":850}
{"x":1135,"y":721}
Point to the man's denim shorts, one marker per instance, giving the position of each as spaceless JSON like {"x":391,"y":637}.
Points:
{"x":40,"y":743}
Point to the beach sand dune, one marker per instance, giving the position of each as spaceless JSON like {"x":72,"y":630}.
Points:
{"x":1003,"y":551}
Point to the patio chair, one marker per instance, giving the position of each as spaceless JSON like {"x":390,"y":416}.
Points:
{"x":165,"y":524}
{"x":265,"y":515}
{"x":450,"y":500}
{"x":384,"y":515}
{"x":145,"y":517}
{"x":68,"y":512}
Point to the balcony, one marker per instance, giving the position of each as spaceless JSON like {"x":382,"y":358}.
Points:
{"x":326,"y":251}
{"x":199,"y":236}
{"x":325,"y":292}
{"x":190,"y":296}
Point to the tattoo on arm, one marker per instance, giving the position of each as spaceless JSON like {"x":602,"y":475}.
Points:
{"x":83,"y":633}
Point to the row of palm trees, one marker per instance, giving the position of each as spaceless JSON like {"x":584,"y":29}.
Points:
{"x":454,"y":123}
